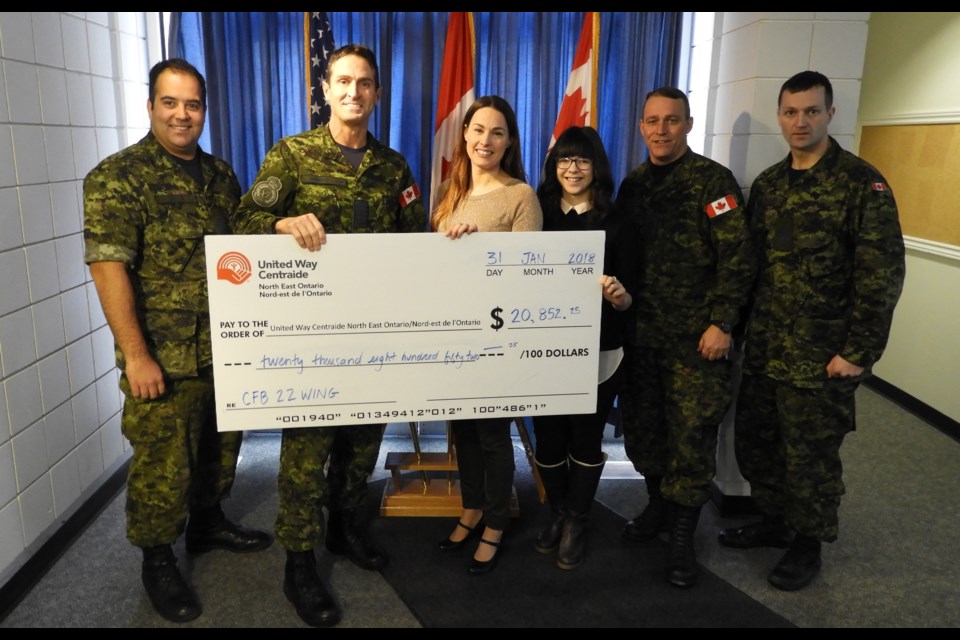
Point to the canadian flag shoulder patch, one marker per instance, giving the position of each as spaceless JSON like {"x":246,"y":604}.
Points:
{"x":879,"y":186}
{"x":721,"y":206}
{"x":409,"y":194}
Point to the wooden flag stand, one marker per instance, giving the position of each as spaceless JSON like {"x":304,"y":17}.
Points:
{"x":414,"y":490}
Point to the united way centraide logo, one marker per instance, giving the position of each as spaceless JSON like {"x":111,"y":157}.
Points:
{"x":233,"y":267}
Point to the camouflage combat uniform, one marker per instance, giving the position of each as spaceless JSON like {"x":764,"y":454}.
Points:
{"x":307,"y":173}
{"x":141,"y":208}
{"x":831,"y":272}
{"x":694,"y":269}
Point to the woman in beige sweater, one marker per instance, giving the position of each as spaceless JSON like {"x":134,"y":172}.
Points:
{"x":486,"y":192}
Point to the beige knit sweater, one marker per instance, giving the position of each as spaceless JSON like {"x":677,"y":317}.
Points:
{"x":512,"y":207}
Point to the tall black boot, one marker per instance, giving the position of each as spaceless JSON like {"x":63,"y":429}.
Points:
{"x":584,"y":479}
{"x":209,"y":529}
{"x":682,"y":568}
{"x":305,"y":590}
{"x":654,"y":517}
{"x":346,"y":538}
{"x":169,"y":593}
{"x":554,"y":477}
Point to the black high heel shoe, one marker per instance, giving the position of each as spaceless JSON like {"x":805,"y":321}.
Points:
{"x":452,"y":545}
{"x":480,"y":567}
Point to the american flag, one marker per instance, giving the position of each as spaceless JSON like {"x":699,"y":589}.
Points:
{"x":318,"y":40}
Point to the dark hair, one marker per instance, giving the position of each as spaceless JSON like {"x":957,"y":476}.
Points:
{"x":674,"y":94}
{"x":583,"y":142}
{"x":808,"y":80}
{"x":355,"y":50}
{"x":177,"y":65}
{"x":460,"y":175}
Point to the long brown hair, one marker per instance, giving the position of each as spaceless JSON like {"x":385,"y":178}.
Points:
{"x":460,"y":175}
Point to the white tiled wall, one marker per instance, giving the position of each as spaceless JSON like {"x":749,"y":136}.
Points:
{"x":71,"y":84}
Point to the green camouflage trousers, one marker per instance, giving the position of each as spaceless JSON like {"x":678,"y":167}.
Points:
{"x":180,"y":461}
{"x":673,"y":402}
{"x":304,"y":489}
{"x":787,"y":441}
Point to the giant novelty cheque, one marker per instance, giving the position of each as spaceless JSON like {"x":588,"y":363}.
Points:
{"x":377,"y":328}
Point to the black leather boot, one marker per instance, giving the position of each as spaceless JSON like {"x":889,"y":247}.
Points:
{"x":654,"y":517}
{"x":169,"y":593}
{"x":345,"y":538}
{"x":554,"y":478}
{"x":799,"y":565}
{"x":584,"y":479}
{"x":682,"y":568}
{"x":305,"y":590}
{"x":209,"y":529}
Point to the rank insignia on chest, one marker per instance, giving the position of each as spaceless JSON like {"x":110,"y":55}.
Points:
{"x":721,"y":206}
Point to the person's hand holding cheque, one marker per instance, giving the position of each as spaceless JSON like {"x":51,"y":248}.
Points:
{"x":306,"y":230}
{"x":615,"y":293}
{"x":460,"y":229}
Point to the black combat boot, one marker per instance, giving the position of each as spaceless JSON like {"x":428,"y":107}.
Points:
{"x":169,"y":593}
{"x":584,"y":479}
{"x":209,"y":529}
{"x":554,"y":477}
{"x":682,"y":568}
{"x":305,"y":590}
{"x":798,"y":566}
{"x":654,"y":517}
{"x":346,"y":538}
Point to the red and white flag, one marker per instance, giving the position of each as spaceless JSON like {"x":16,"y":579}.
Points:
{"x":409,"y":194}
{"x":579,"y":106}
{"x":721,"y":206}
{"x":455,"y":96}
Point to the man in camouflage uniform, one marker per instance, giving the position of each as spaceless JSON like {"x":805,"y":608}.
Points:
{"x":831,"y":270}
{"x":696,"y":269}
{"x":335,"y":179}
{"x":146,"y":210}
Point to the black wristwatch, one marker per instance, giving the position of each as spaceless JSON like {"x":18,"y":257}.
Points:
{"x":723,"y":326}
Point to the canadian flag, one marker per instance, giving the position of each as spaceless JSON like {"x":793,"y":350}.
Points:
{"x":721,"y":206}
{"x":409,"y":194}
{"x":455,"y":96}
{"x":579,"y":106}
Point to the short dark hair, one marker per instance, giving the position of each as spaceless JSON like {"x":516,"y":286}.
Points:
{"x":177,"y":65}
{"x":355,"y":50}
{"x":808,"y":80}
{"x":674,"y":94}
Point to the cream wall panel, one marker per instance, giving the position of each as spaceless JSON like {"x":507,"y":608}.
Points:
{"x":911,"y":68}
{"x":839,"y":49}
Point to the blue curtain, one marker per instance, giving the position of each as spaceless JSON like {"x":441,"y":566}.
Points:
{"x":523,"y":56}
{"x":254,"y":67}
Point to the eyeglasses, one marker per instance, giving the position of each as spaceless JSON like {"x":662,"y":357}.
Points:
{"x":584,"y":164}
